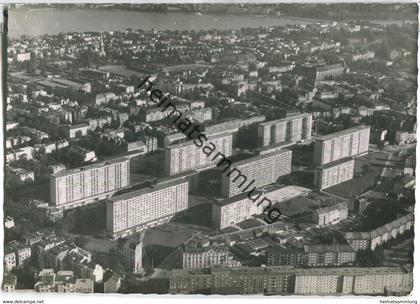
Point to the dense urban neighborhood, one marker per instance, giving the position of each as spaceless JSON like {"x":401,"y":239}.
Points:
{"x":299,"y":179}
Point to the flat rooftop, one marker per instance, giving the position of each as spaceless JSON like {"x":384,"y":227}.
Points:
{"x":274,"y":147}
{"x":145,"y":190}
{"x":258,"y":157}
{"x":191,"y":142}
{"x":90,"y":167}
{"x":350,"y":271}
{"x":303,"y":204}
{"x":277,"y":195}
{"x":285,"y":119}
{"x":286,"y":193}
{"x":234,"y":199}
{"x":236,"y":270}
{"x":341,"y":133}
{"x":185,"y":67}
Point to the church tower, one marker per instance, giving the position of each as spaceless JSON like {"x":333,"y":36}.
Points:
{"x":138,"y":254}
{"x":102,"y":51}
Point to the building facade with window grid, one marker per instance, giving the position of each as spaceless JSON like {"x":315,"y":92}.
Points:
{"x":264,"y":169}
{"x":136,"y":210}
{"x":85,"y":184}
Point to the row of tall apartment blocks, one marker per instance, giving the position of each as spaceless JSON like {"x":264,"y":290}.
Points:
{"x":290,"y":129}
{"x":75,"y":187}
{"x":136,"y":210}
{"x":343,"y":144}
{"x":139,"y":209}
{"x":282,"y":280}
{"x":93,"y":182}
{"x":186,"y":156}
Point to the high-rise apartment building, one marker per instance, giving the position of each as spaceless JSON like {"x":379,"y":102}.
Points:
{"x":187,"y":156}
{"x":288,"y":129}
{"x":339,"y":145}
{"x":136,"y":210}
{"x":234,"y":210}
{"x":334,"y":173}
{"x":78,"y":186}
{"x":263,"y":169}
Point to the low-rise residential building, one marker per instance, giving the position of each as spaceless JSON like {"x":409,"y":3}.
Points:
{"x":72,"y":131}
{"x":327,"y":214}
{"x":144,"y":145}
{"x":358,"y":240}
{"x":330,"y":255}
{"x":9,"y":259}
{"x":206,"y":257}
{"x":281,"y":280}
{"x":104,"y":98}
{"x":238,"y":280}
{"x":283,"y":256}
{"x":9,"y":222}
{"x":355,"y":280}
{"x":22,"y":253}
{"x":63,"y":282}
{"x":380,"y":235}
{"x":56,"y":168}
{"x":404,"y":137}
{"x":83,"y":286}
{"x":9,"y":282}
{"x":311,"y":255}
{"x":22,"y":175}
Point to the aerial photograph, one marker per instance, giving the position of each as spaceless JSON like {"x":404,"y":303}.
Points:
{"x":264,"y":149}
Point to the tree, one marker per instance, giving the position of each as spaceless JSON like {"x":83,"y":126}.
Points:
{"x":368,"y":258}
{"x":365,"y":169}
{"x":79,"y":134}
{"x":73,"y":159}
{"x":25,"y":276}
{"x":81,"y":241}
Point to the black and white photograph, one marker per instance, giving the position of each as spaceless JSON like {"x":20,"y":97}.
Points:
{"x":207,"y":149}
